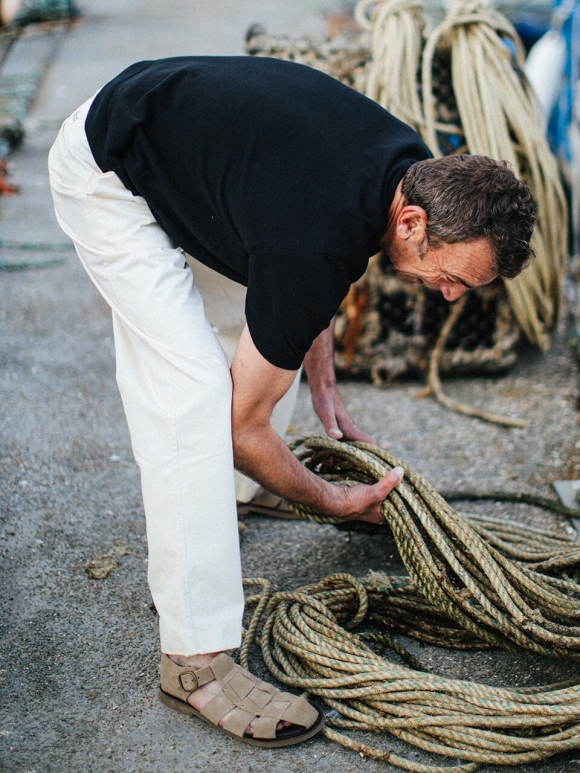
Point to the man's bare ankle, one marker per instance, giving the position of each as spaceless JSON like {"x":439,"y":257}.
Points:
{"x":193,"y":661}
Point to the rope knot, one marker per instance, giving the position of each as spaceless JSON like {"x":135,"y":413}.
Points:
{"x":342,"y":580}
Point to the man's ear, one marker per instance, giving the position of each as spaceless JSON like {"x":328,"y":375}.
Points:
{"x":412,"y":223}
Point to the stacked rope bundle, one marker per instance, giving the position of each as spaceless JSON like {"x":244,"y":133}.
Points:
{"x":463,"y":592}
{"x":502,"y":602}
{"x":497,"y":114}
{"x":343,"y":56}
{"x":397,"y":41}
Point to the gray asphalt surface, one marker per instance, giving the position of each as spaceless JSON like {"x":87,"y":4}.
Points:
{"x":79,"y":656}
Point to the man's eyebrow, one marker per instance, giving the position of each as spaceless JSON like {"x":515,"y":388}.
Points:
{"x":462,"y":282}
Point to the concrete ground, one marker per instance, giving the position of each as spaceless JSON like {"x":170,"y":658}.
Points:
{"x":79,"y":656}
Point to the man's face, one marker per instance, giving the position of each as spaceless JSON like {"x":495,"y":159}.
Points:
{"x":450,"y":268}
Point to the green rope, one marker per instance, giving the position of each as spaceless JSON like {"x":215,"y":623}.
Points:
{"x":464,"y":591}
{"x":512,"y":496}
{"x":38,"y":11}
{"x":36,"y":246}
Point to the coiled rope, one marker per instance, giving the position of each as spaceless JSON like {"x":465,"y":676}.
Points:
{"x":463,"y":591}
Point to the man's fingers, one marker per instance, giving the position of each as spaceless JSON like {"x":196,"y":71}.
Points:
{"x":331,"y":425}
{"x":364,"y":501}
{"x":347,"y":427}
{"x":337,"y":421}
{"x":351,"y":432}
{"x":391,"y":479}
{"x":383,"y":488}
{"x":356,"y":434}
{"x":324,"y":407}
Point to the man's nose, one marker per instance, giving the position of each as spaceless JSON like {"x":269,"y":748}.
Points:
{"x":453,"y":292}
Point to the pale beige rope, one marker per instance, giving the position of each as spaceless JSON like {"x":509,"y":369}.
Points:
{"x":397,"y":31}
{"x":499,"y":118}
{"x":434,"y":381}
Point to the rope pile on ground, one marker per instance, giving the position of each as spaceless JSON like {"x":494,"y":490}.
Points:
{"x":308,"y":646}
{"x":463,"y":592}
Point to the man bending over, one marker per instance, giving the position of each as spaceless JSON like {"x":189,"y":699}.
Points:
{"x":223,"y":207}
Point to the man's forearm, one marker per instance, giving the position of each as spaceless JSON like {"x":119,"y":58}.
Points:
{"x":326,"y":399}
{"x":263,"y":455}
{"x":259,"y":451}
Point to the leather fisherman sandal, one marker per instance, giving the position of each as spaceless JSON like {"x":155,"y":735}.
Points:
{"x":248,"y":696}
{"x":266,"y":503}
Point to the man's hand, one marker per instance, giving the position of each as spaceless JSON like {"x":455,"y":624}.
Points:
{"x":333,"y":413}
{"x":363,"y":503}
{"x":262,"y":454}
{"x":326,"y":399}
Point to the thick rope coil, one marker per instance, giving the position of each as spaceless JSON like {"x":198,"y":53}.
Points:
{"x":397,"y":32}
{"x":462,"y":592}
{"x":499,"y":600}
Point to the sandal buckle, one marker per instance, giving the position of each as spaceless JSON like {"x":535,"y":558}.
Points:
{"x":189,"y":681}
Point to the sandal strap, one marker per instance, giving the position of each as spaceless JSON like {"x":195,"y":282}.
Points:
{"x":250,"y":698}
{"x":265,"y":728}
{"x":181,"y":681}
{"x":243,"y":694}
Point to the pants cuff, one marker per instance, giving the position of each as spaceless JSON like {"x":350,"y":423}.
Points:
{"x":204,"y":640}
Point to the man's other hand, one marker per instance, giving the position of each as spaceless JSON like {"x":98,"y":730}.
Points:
{"x":333,"y":413}
{"x":326,"y":399}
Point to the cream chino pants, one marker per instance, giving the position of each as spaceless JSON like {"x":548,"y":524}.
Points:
{"x":176,"y":329}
